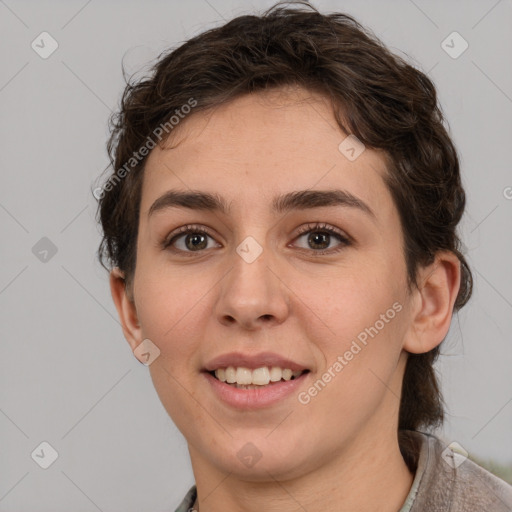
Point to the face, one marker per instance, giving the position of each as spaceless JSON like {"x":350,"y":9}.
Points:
{"x":314,"y":283}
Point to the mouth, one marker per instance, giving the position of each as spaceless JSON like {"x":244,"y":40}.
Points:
{"x":249,"y":389}
{"x":246,"y":378}
{"x":254,"y":381}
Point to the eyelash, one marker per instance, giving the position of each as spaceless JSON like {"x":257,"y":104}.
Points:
{"x":312,"y":227}
{"x":325,"y":228}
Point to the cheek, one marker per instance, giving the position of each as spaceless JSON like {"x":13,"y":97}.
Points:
{"x":359,"y":373}
{"x":169,"y":311}
{"x":170,"y":314}
{"x":359,"y":318}
{"x":348,"y":302}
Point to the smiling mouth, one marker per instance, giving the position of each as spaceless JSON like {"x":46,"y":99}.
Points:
{"x":245,"y":378}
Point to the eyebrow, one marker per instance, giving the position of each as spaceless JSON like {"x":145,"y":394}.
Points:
{"x":297,"y":200}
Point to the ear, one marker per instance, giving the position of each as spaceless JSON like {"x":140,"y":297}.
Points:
{"x":438,"y":286}
{"x":125,"y":308}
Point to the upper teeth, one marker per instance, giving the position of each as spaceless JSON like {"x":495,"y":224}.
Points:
{"x":259,"y":376}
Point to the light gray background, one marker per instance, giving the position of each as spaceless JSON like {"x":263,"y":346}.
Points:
{"x":68,"y":376}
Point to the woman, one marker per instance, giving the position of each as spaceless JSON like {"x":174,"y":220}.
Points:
{"x":280,"y":225}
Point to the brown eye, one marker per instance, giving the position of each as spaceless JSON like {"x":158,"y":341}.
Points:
{"x":319,"y":237}
{"x":319,"y":240}
{"x":189,"y":239}
{"x":195,"y":241}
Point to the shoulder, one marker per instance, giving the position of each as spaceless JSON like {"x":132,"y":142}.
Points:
{"x":188,"y":501}
{"x":450,"y":482}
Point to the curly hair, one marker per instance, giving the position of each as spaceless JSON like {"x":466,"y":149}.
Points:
{"x":376,"y":95}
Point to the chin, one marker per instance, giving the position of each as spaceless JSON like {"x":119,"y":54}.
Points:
{"x":258,"y":458}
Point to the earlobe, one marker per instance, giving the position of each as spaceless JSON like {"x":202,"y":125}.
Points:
{"x":438,"y":286}
{"x":125,"y":308}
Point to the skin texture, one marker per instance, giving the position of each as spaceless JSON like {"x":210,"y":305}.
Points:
{"x":339,"y":451}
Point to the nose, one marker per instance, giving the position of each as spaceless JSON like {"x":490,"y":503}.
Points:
{"x":253,"y":294}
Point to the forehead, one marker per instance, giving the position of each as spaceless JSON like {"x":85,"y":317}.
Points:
{"x":260,"y":145}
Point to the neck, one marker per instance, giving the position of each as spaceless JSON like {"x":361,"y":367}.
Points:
{"x":370,"y":475}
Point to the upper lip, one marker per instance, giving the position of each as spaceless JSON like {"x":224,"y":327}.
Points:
{"x":238,"y":359}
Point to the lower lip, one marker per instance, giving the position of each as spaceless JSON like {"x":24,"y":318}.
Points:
{"x":257,"y":398}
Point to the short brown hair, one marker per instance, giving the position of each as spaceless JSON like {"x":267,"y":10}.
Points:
{"x":376,"y":95}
